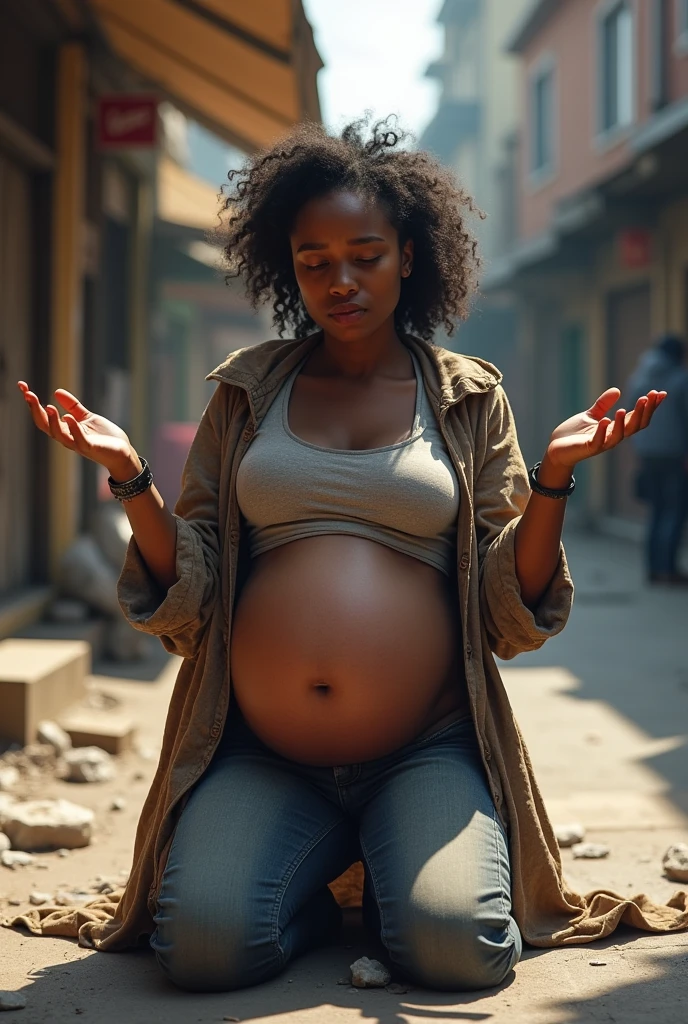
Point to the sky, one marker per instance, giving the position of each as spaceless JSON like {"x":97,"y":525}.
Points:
{"x":375,"y":54}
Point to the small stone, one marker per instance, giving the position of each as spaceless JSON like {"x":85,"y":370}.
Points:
{"x":12,"y":1001}
{"x":147,"y":753}
{"x":38,"y":898}
{"x":118,"y":804}
{"x":63,"y":852}
{"x":89,"y":764}
{"x":397,"y":989}
{"x":344,"y":981}
{"x":9,"y":777}
{"x":589,"y":851}
{"x":598,"y":963}
{"x":232,"y":1018}
{"x":568,"y":835}
{"x":14,"y":903}
{"x":71,"y":898}
{"x":137,"y":777}
{"x":49,"y":824}
{"x":366,"y":973}
{"x":15,"y":858}
{"x":5,"y":843}
{"x":675,"y":862}
{"x":55,"y":736}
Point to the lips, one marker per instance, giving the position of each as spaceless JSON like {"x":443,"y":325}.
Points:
{"x":347,"y":313}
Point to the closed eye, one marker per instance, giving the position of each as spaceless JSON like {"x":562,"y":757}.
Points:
{"x":360,"y":259}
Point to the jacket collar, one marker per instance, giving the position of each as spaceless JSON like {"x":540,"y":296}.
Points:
{"x":260,"y":369}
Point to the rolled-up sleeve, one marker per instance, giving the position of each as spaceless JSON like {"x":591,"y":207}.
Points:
{"x":179,"y":616}
{"x":501,"y":492}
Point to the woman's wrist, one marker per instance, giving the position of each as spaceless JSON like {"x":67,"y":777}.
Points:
{"x":125,"y":469}
{"x":555,"y":477}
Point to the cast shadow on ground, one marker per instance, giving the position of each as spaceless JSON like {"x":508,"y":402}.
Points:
{"x":117,"y":987}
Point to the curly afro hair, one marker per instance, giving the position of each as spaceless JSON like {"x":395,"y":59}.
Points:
{"x":421,"y":198}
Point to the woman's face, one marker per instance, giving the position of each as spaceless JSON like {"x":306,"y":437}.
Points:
{"x":348,"y":264}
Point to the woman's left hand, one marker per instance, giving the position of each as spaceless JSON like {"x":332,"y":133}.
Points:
{"x":591,"y":432}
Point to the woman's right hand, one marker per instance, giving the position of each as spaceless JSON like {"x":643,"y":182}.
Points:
{"x":84,"y":432}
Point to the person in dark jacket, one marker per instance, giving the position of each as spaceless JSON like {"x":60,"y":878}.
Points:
{"x":662,"y":478}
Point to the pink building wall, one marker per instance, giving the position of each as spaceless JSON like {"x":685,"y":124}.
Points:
{"x":570,"y":37}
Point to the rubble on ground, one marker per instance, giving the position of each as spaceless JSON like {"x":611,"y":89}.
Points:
{"x":89,"y":764}
{"x":54,"y":735}
{"x":12,"y":1001}
{"x":15,"y":859}
{"x":366,"y":973}
{"x":47,"y":825}
{"x":568,"y":835}
{"x":675,"y":862}
{"x":9,"y":777}
{"x":589,"y":851}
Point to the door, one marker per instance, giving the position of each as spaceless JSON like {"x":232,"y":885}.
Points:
{"x":628,"y":336}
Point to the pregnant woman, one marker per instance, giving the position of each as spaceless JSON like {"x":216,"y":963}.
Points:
{"x":356,"y":536}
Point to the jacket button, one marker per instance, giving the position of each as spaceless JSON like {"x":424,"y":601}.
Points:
{"x":463,"y":564}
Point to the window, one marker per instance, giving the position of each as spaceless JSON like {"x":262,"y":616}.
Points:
{"x":682,"y":25}
{"x":617,"y":69}
{"x":542,"y":121}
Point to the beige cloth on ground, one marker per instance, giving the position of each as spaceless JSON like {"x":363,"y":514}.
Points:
{"x":194,"y":617}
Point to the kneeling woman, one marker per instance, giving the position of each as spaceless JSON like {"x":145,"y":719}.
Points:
{"x":355,"y":537}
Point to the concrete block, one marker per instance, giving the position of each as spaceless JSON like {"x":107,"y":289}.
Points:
{"x":108,"y":730}
{"x":39,"y":679}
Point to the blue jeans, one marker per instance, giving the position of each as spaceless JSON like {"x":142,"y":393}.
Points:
{"x":245,"y":889}
{"x":666,"y":482}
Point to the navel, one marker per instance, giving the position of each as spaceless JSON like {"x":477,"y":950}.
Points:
{"x":322,"y":687}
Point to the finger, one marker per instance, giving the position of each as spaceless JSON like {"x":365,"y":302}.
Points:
{"x":76,"y":433}
{"x":604,"y":403}
{"x":38,"y":413}
{"x":71,"y":404}
{"x":617,"y":433}
{"x":58,"y":430}
{"x":598,"y":439}
{"x":634,"y":420}
{"x":653,"y":401}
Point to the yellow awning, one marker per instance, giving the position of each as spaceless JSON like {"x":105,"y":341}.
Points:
{"x":185,"y":199}
{"x":244,"y":68}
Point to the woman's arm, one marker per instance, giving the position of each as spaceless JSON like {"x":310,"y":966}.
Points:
{"x":538,"y":534}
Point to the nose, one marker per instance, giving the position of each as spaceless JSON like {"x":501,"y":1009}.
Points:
{"x":343,"y":282}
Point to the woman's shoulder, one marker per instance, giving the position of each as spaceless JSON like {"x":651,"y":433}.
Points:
{"x":255,"y":362}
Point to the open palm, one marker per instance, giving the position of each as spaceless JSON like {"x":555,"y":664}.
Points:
{"x":592,"y":432}
{"x":79,"y":429}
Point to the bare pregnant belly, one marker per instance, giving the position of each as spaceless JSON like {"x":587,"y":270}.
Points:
{"x":343,"y":650}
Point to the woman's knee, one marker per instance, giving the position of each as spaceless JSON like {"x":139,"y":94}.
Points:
{"x":459,"y":952}
{"x":202,"y":950}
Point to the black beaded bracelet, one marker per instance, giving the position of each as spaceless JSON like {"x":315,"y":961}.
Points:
{"x":549,"y":492}
{"x":132,"y":488}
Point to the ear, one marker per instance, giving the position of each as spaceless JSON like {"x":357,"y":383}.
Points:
{"x":407,"y":258}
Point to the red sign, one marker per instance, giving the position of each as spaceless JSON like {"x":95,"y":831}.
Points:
{"x":126,"y":121}
{"x":635,"y":248}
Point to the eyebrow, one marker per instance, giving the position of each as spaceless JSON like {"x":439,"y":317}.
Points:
{"x":351,"y":241}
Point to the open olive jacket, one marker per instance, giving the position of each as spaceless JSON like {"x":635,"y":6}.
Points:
{"x":194,"y":620}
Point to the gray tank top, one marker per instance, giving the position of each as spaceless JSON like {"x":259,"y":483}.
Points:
{"x":403,"y":495}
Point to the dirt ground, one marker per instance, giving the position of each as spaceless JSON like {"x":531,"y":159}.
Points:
{"x":605,"y":715}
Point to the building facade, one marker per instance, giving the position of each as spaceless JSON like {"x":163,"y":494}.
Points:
{"x":598,"y":265}
{"x":80,"y":222}
{"x":472,"y":132}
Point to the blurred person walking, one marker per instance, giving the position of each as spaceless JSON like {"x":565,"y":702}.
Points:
{"x":662,"y":478}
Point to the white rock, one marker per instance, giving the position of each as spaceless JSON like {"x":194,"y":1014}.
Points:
{"x":118,"y":804}
{"x":9,"y":777}
{"x":675,"y":862}
{"x":367,"y":973}
{"x":568,"y":835}
{"x":62,"y":853}
{"x":73,"y":898}
{"x":89,"y":764}
{"x":54,"y":735}
{"x":590,"y":851}
{"x":15,"y":858}
{"x":49,"y":824}
{"x":38,"y":898}
{"x":5,"y":843}
{"x":12,"y":1001}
